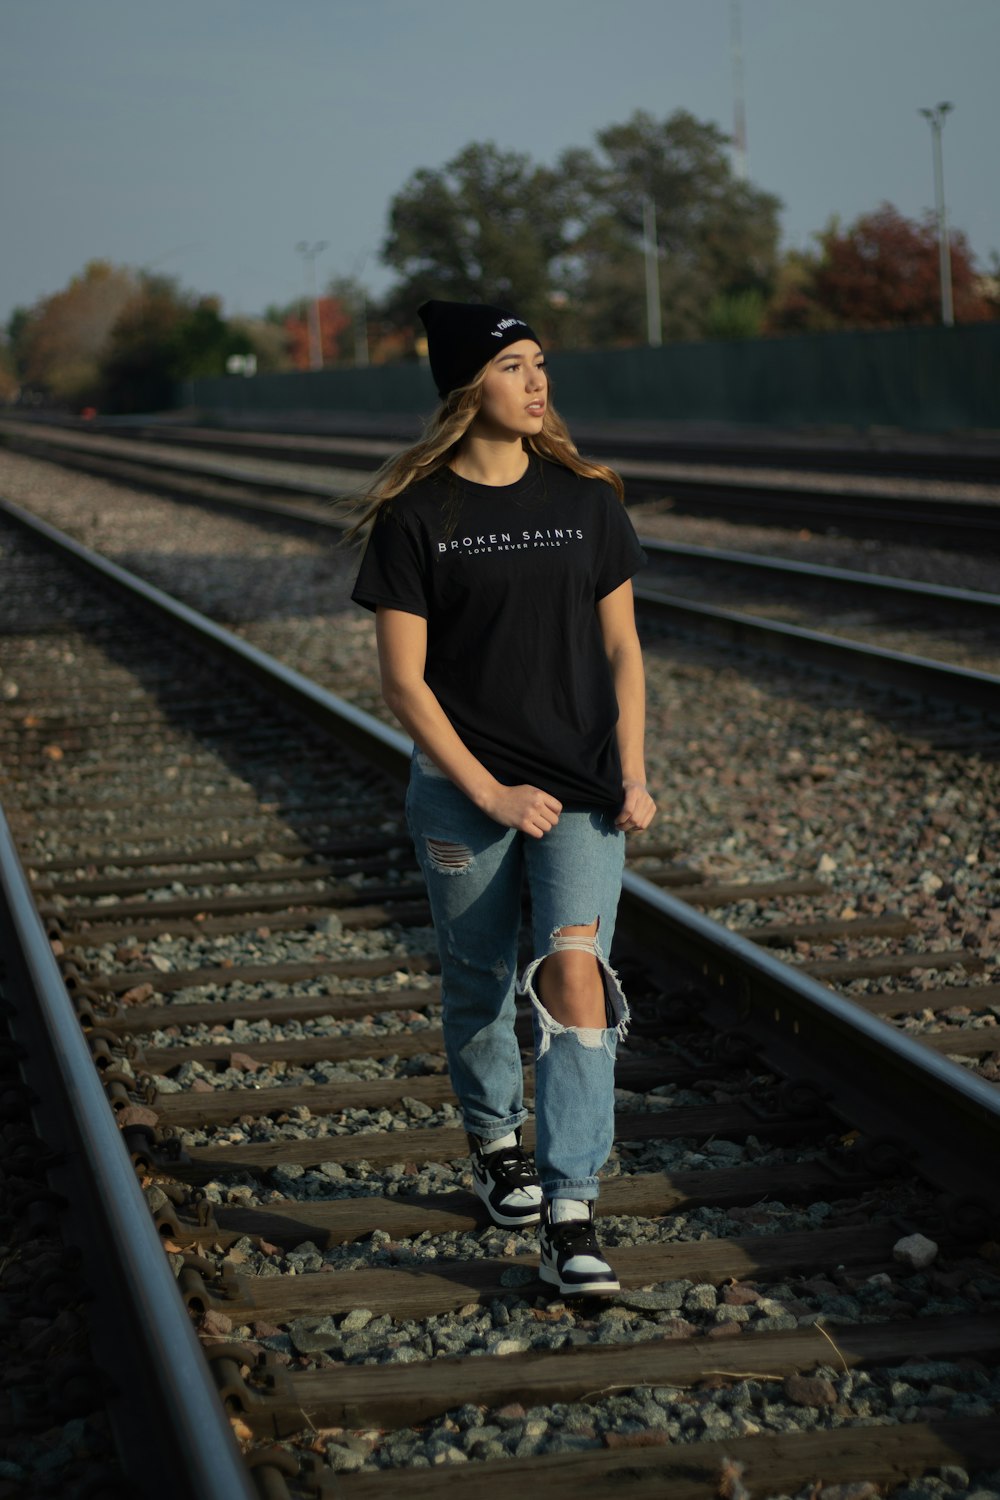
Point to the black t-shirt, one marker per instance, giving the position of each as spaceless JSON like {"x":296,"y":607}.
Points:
{"x":507,"y":578}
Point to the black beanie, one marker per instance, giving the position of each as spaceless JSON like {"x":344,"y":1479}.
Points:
{"x":464,"y":336}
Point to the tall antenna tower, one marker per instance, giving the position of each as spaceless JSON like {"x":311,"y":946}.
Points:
{"x":740,"y":163}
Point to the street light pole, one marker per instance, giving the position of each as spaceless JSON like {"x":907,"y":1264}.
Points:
{"x":654,"y":319}
{"x":309,"y":254}
{"x":936,"y":117}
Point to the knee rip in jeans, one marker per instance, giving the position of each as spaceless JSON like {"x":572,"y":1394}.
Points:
{"x":449,"y":858}
{"x":616,"y":1004}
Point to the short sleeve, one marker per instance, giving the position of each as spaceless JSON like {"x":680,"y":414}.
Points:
{"x":393,"y":570}
{"x":621,"y":556}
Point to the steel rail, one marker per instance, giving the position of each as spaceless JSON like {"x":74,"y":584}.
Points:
{"x":151,"y":1347}
{"x":893,"y":1080}
{"x":888,"y":1067}
{"x":95,"y":446}
{"x":901,"y":671}
{"x":877,"y":582}
{"x":771,"y":495}
{"x":895,"y":669}
{"x":975,"y":458}
{"x":882,"y":583}
{"x":355,"y":727}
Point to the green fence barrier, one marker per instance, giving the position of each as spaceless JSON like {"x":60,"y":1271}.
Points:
{"x":917,"y":379}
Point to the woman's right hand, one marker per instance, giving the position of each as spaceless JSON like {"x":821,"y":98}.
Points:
{"x":525,"y":808}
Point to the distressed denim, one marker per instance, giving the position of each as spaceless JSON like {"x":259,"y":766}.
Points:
{"x":474,"y":869}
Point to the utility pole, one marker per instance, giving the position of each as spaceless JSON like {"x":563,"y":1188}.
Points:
{"x":360,"y":310}
{"x":361,"y":328}
{"x":740,"y":161}
{"x":654,"y":320}
{"x":936,"y":117}
{"x":309,"y":254}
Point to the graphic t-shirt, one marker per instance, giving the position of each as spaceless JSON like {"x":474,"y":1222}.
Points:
{"x":508,"y":578}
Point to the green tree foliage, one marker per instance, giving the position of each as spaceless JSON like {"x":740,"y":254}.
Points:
{"x":163,"y":337}
{"x":881,"y":272}
{"x":717,"y":237}
{"x":16,"y":340}
{"x":564,"y":246}
{"x":139,"y":369}
{"x":486,"y":227}
{"x":735,"y":315}
{"x":987,"y":284}
{"x":9,"y":384}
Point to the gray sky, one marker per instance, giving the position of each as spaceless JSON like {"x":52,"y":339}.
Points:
{"x":204,"y":138}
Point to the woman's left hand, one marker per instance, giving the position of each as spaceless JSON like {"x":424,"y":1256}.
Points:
{"x":637,"y":810}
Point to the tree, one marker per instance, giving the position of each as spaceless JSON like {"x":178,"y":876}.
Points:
{"x":204,"y":340}
{"x":265,"y":337}
{"x":9,"y":383}
{"x":881,"y":272}
{"x":118,"y":339}
{"x":735,"y":315}
{"x":334,"y":326}
{"x":137,"y":371}
{"x":487,"y":227}
{"x":162,"y":337}
{"x":565,"y":246}
{"x":57,"y":344}
{"x":717,"y":237}
{"x":355,"y":337}
{"x":987,"y":285}
{"x":17,"y":340}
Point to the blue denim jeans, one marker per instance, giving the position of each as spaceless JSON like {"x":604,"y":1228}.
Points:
{"x":474,"y":868}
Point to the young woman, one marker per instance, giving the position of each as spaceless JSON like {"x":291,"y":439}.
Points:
{"x":499,"y":566}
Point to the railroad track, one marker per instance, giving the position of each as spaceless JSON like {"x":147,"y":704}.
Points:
{"x":765,"y":496}
{"x":312,"y":438}
{"x":254,"y":979}
{"x":664,"y":593}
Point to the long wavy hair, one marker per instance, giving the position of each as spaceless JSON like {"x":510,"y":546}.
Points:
{"x":440,"y":440}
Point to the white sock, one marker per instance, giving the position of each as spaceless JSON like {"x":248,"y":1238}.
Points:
{"x":565,"y":1210}
{"x":504,"y":1143}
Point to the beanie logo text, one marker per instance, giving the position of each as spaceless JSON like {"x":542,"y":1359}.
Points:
{"x":505,"y":323}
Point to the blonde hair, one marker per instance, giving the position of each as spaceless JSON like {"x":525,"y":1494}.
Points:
{"x":440,"y":441}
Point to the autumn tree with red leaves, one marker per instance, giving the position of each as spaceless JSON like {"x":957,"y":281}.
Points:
{"x":334,"y":321}
{"x":880,"y":273}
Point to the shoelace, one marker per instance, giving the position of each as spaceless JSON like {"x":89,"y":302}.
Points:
{"x":511,"y":1166}
{"x":576,"y":1236}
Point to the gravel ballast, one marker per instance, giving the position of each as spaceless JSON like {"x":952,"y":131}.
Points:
{"x":760,"y":772}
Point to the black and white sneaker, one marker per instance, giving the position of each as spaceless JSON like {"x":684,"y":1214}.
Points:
{"x":504,"y":1177}
{"x":571,"y":1258}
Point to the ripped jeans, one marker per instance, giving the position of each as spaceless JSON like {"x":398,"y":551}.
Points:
{"x":473,"y":868}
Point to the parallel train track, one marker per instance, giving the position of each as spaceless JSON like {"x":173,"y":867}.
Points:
{"x":168,"y":826}
{"x":320,"y":437}
{"x":760,"y":494}
{"x":298,"y":501}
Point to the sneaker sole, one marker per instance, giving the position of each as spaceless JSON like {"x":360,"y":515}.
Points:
{"x":577,"y":1288}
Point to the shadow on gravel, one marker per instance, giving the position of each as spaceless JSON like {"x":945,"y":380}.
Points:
{"x":282,"y":583}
